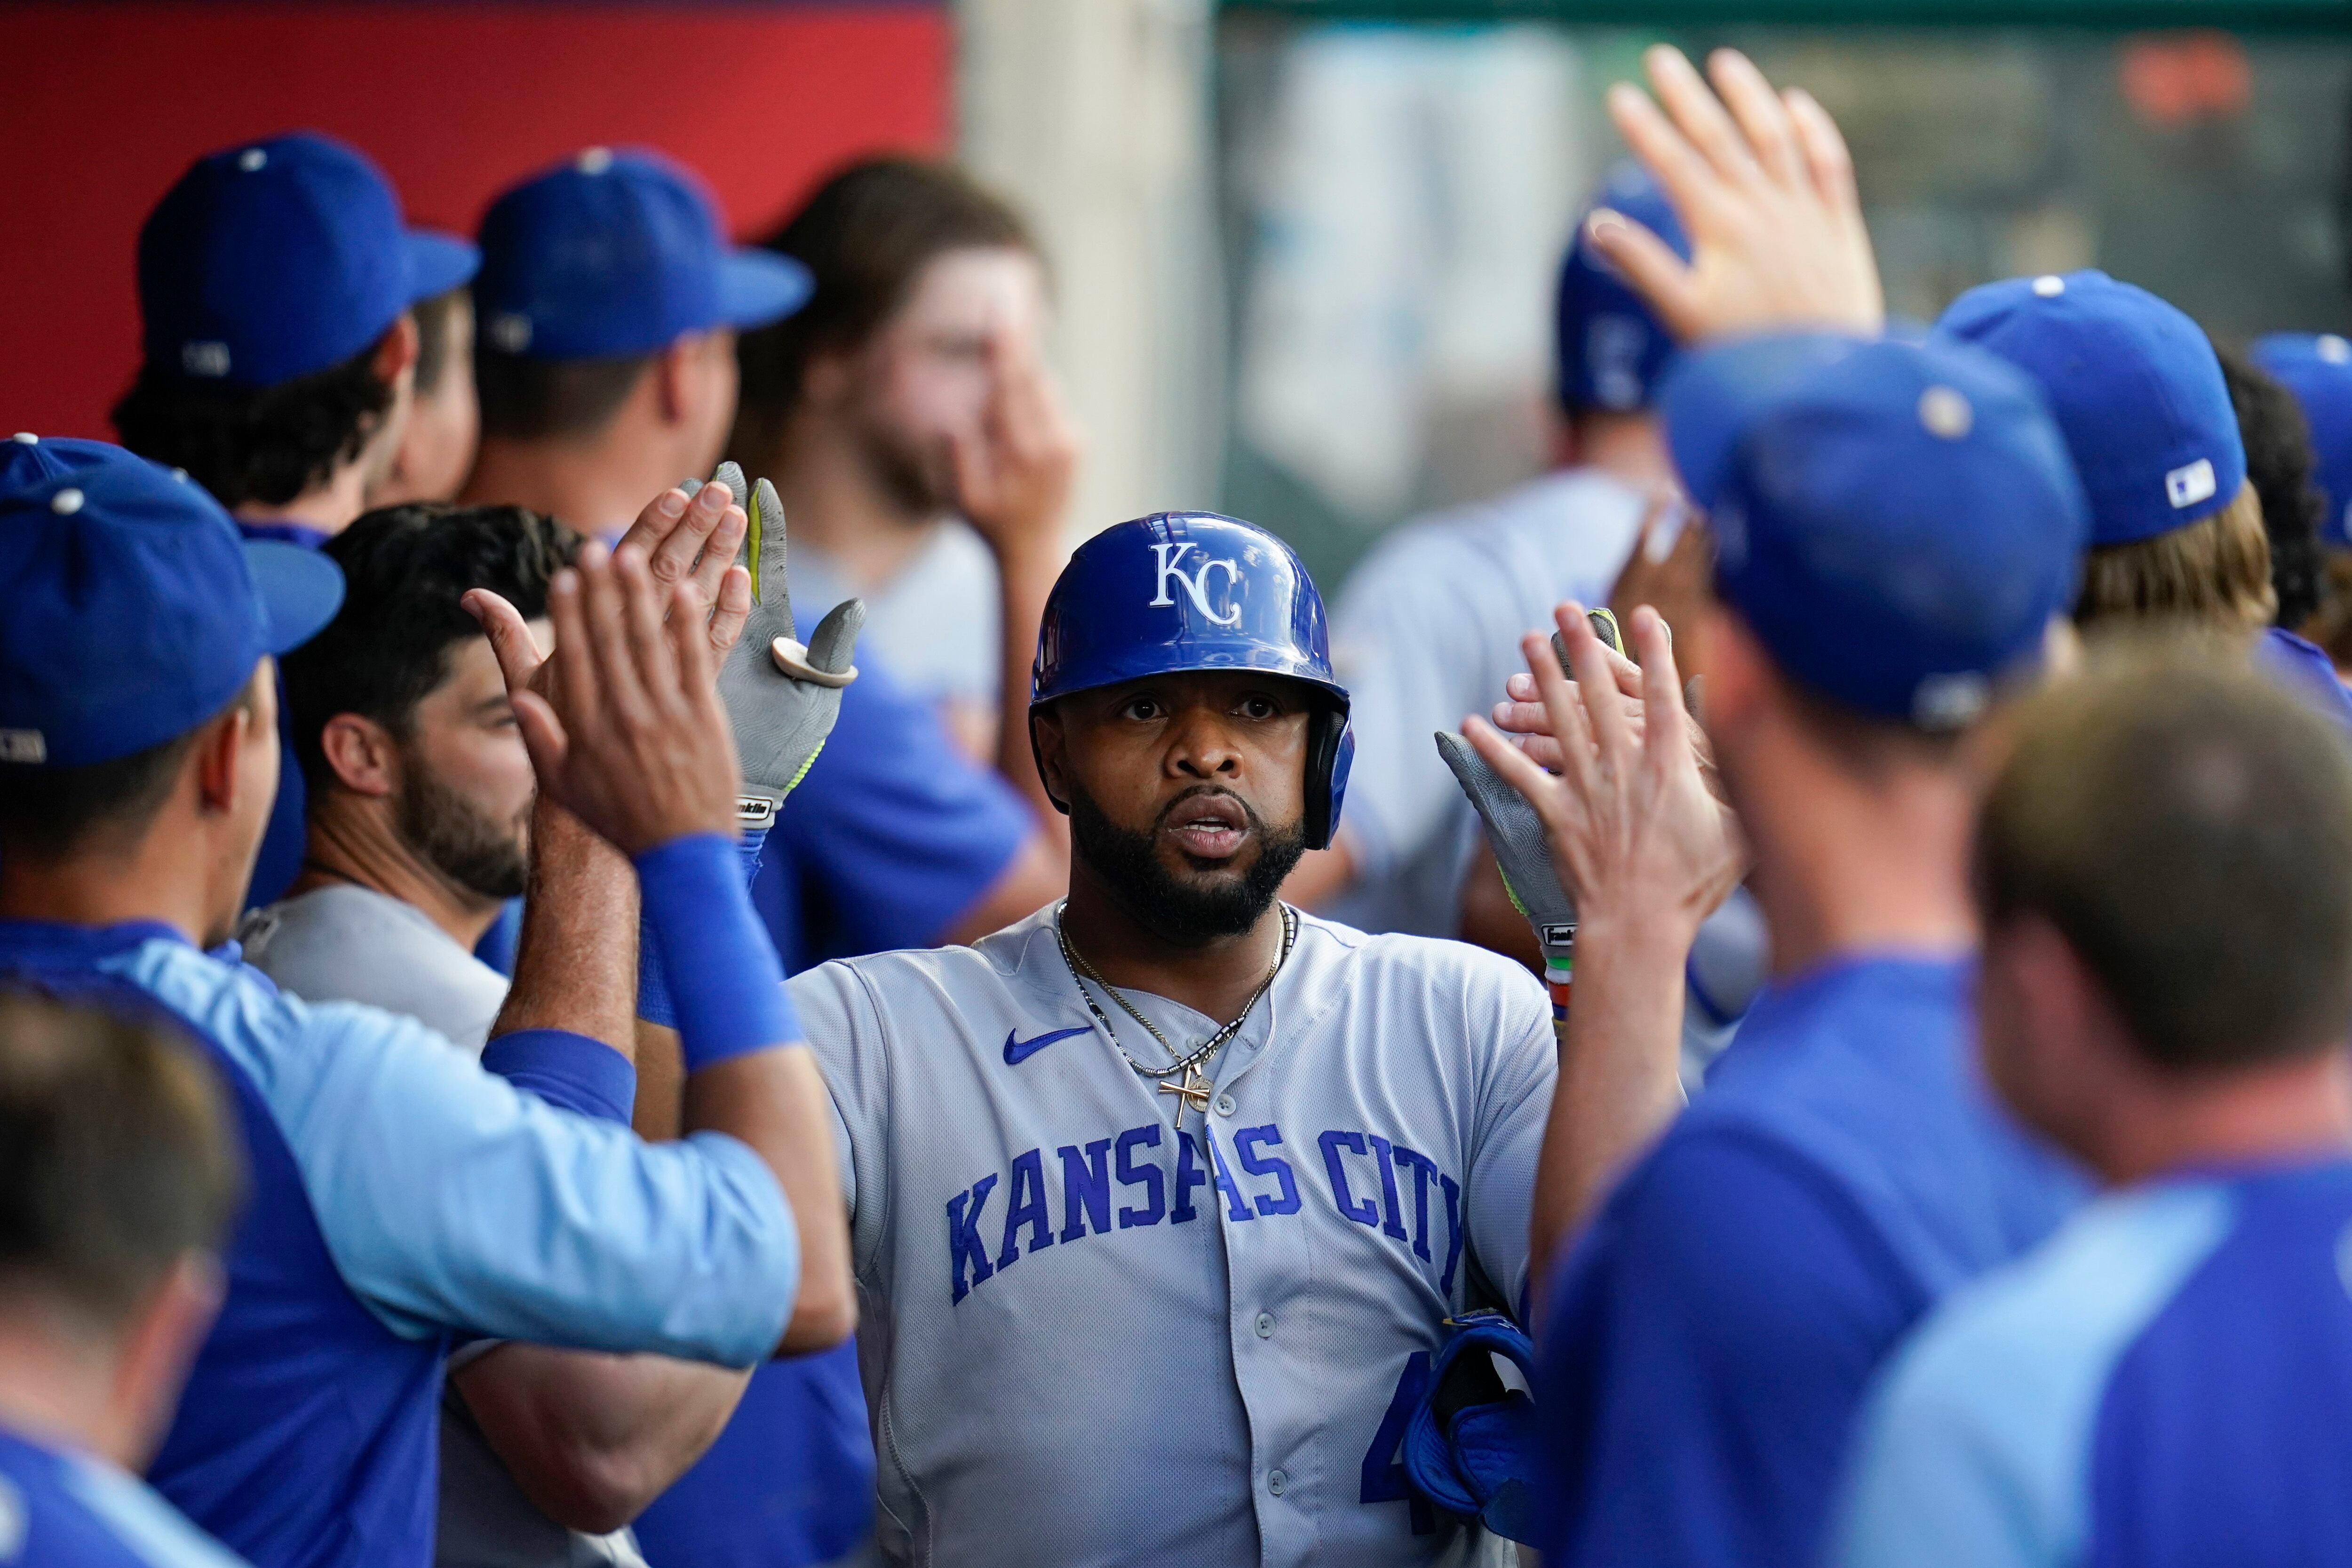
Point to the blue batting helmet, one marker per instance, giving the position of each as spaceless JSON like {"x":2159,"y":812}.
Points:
{"x":1193,"y":591}
{"x":1610,"y":349}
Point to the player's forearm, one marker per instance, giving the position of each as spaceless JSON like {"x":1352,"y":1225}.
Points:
{"x":777,"y":1102}
{"x":576,"y":966}
{"x":1617,"y":1087}
{"x":592,"y":1439}
{"x":746,"y":1073}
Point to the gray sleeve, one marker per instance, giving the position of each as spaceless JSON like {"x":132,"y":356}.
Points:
{"x":1513,"y":1104}
{"x":845,"y":1030}
{"x":1408,"y":649}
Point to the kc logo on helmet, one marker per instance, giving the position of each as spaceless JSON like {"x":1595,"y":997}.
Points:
{"x":1196,"y":586}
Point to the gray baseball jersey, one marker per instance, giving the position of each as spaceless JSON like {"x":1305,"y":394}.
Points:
{"x":1087,"y":1339}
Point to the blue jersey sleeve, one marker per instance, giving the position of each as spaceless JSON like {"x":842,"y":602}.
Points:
{"x":450,"y":1198}
{"x":893,"y":835}
{"x":1708,"y":1345}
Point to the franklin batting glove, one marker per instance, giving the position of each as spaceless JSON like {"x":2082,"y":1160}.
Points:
{"x":782,"y":696}
{"x":1515,"y":833}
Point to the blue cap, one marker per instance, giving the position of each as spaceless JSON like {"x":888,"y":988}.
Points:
{"x":2317,"y":368}
{"x":130,"y":610}
{"x":2135,"y":385}
{"x":1897,"y":522}
{"x":619,"y":253}
{"x":277,"y":259}
{"x":1611,"y":349}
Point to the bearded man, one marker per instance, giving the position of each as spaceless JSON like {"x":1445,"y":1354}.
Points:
{"x":1161,"y":1198}
{"x":419,"y":789}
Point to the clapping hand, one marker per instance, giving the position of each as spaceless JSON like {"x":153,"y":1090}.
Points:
{"x":623,"y":720}
{"x":1632,"y":830}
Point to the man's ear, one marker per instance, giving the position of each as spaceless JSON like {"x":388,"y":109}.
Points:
{"x":1738,"y":674}
{"x":673,"y":378}
{"x":395,"y":352}
{"x":1046,"y":738}
{"x":161,"y":1342}
{"x":218,"y":746}
{"x":361,"y":754}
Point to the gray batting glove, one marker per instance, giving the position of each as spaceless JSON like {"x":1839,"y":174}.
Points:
{"x":782,"y":696}
{"x":1516,"y":836}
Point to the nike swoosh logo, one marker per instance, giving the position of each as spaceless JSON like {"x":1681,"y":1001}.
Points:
{"x":1017,"y":1051}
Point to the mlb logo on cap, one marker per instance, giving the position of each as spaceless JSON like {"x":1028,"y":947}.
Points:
{"x":2186,"y":486}
{"x":618,"y":253}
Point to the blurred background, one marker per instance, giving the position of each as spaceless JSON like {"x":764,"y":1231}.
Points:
{"x":1302,"y":250}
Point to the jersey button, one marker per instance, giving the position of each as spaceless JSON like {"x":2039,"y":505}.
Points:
{"x":1277,"y":1483}
{"x":1225,"y":1106}
{"x":1266,"y":1325}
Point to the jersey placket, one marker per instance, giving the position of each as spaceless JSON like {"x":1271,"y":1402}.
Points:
{"x":1269,"y":1275}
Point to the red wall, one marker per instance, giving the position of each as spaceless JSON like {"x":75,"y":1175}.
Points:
{"x":453,"y":100}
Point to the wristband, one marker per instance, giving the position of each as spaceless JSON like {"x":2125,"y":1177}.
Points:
{"x":655,"y":1004}
{"x":725,"y":984}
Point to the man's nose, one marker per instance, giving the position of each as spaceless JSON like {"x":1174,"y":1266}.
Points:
{"x":1202,"y":747}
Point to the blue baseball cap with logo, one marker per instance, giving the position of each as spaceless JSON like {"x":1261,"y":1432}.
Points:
{"x":2133,"y":382}
{"x":275,"y":259}
{"x":1897,"y":522}
{"x":617,"y":253}
{"x":2317,"y":368}
{"x":130,"y":612}
{"x":1611,"y":349}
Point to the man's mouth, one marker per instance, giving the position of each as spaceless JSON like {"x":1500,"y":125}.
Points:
{"x":1211,"y":826}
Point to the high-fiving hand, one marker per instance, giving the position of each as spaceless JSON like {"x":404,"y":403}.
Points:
{"x":1764,"y":186}
{"x":782,"y":697}
{"x":623,"y":720}
{"x":1635,"y":832}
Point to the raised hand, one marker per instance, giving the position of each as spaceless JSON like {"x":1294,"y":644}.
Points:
{"x":689,"y":535}
{"x":781,"y":696}
{"x":1013,"y":475}
{"x":1764,"y":186}
{"x":1629,"y":821}
{"x":622,"y":720}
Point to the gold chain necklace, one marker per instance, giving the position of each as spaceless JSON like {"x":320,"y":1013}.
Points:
{"x":1194,"y":1091}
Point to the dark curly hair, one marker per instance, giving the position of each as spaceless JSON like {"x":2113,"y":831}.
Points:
{"x":2278,"y":465}
{"x":404,"y":569}
{"x":262,"y":446}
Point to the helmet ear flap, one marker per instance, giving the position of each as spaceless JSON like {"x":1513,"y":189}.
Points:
{"x":1330,"y":748}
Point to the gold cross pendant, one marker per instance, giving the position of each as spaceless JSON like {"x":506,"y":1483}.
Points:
{"x":1193,"y":1091}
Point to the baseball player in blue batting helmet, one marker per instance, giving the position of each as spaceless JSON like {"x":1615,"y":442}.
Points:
{"x":1163,"y":1197}
{"x":1198,"y":564}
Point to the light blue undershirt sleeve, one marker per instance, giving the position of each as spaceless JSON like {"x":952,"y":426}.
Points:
{"x":1974,"y":1451}
{"x":448,"y":1199}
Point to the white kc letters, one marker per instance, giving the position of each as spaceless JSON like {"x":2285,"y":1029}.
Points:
{"x":1196,"y":586}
